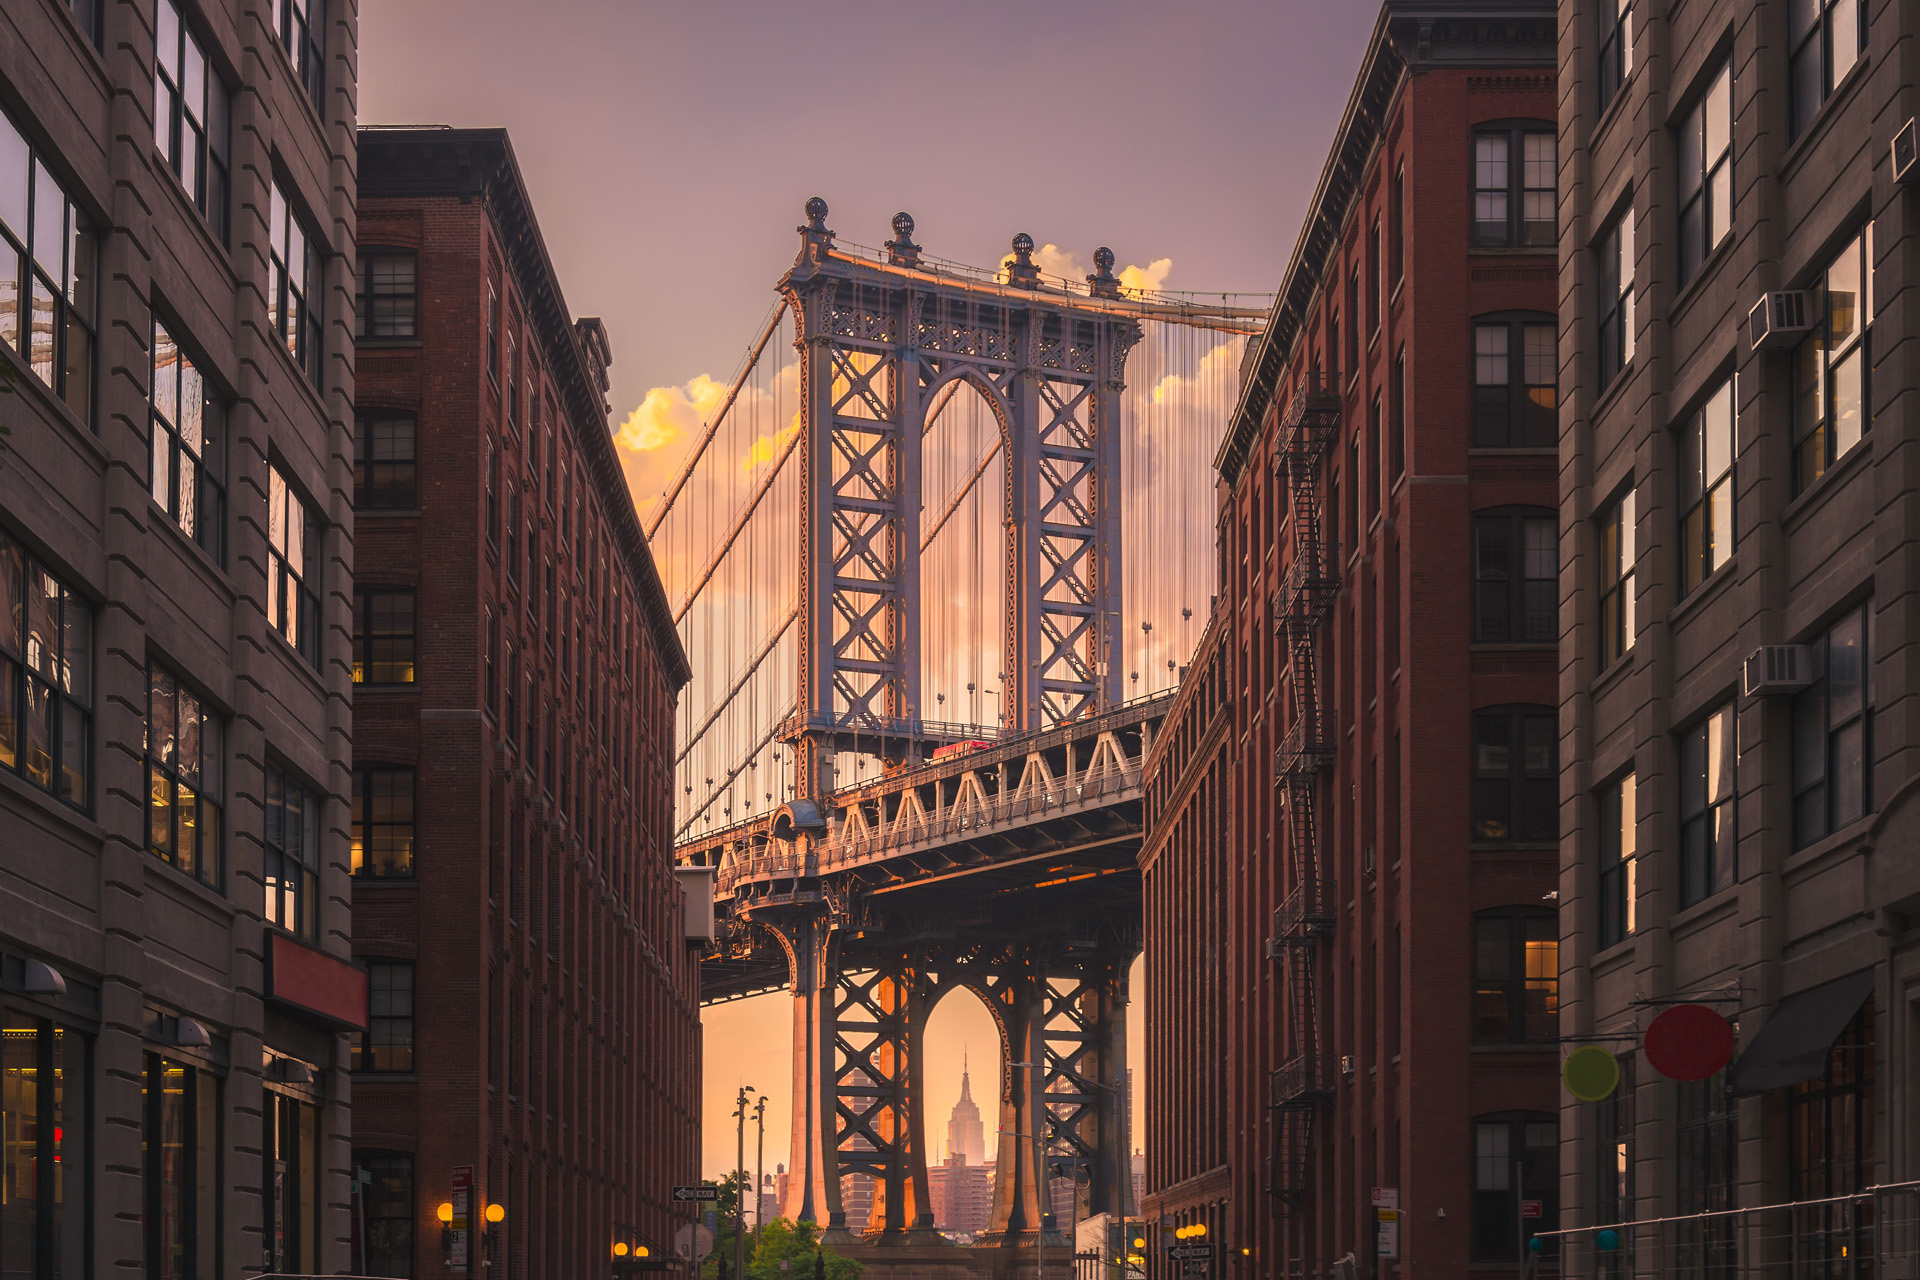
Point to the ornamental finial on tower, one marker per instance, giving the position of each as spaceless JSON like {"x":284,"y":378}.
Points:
{"x":1103,"y":283}
{"x":815,"y":238}
{"x":1021,"y":271}
{"x":901,"y":250}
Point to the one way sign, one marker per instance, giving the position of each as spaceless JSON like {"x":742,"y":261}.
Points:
{"x":1190,"y":1252}
{"x":703,"y":1192}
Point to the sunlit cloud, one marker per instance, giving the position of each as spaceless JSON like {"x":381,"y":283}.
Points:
{"x":1065,"y":263}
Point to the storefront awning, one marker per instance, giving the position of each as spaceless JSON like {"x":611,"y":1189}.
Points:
{"x":1794,"y":1044}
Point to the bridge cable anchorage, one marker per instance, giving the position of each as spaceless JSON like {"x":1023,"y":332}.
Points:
{"x":733,"y":535}
{"x":753,"y":666}
{"x":772,"y":728}
{"x":961,"y":496}
{"x":733,"y":393}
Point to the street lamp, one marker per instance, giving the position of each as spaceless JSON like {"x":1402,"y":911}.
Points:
{"x":739,"y":1184}
{"x":495,"y":1215}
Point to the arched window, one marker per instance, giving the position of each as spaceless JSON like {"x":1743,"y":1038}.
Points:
{"x":1516,"y":773}
{"x":1516,"y":1169}
{"x":1515,"y":575}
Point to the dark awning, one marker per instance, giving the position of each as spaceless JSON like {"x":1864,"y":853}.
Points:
{"x":1794,"y":1044}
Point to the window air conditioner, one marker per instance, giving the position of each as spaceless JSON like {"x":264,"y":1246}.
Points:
{"x":1779,"y":319}
{"x":1778,"y":668}
{"x":1906,"y":149}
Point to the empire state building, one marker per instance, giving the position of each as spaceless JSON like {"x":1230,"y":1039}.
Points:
{"x":961,"y":1186}
{"x":965,"y":1136}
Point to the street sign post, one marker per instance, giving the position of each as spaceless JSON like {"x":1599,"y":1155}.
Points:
{"x":460,"y":1232}
{"x":705,"y":1191}
{"x":1531,"y":1209}
{"x":692,"y":1243}
{"x":1386,"y":1222}
{"x":1191,"y":1253}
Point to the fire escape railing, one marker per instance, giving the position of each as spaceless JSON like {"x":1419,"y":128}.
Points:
{"x":1303,"y":1085}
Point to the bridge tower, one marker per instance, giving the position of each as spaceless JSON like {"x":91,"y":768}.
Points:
{"x":878,"y":341}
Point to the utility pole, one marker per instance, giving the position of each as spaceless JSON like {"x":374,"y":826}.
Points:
{"x":760,"y":1174}
{"x":740,"y":1185}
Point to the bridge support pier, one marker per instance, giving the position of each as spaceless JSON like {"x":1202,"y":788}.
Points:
{"x":813,"y":1184}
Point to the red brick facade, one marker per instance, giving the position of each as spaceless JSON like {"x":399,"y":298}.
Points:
{"x":1440,"y":1074}
{"x":556,"y":1037}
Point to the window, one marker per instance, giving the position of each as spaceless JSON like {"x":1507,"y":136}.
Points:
{"x":1613,"y":1171}
{"x":1616,"y":298}
{"x":1399,"y":223}
{"x":46,"y":674}
{"x":291,"y":1219}
{"x":513,"y":533}
{"x":493,"y":659}
{"x":1708,"y":757}
{"x":186,"y":772}
{"x":1619,"y":850}
{"x":383,"y":635}
{"x":513,"y":694}
{"x":189,"y":436}
{"x":1831,"y":411}
{"x":1616,"y":49}
{"x":386,"y":295}
{"x":1374,"y":250}
{"x":1830,"y":1127}
{"x":293,"y":283}
{"x":493,"y":492}
{"x":1706,"y":174}
{"x":181,"y":1142}
{"x":1515,"y":401}
{"x":1375,"y":464}
{"x":1705,"y":1173}
{"x":1513,"y":202}
{"x":190,"y":116}
{"x":86,"y":15}
{"x":292,"y":842}
{"x":293,"y":567}
{"x":46,"y":274}
{"x":382,"y":822}
{"x":44,"y":1152}
{"x":1400,"y":414}
{"x":1353,"y":315}
{"x":1616,"y":580}
{"x":1516,"y":1157}
{"x":1825,"y":39}
{"x":1515,"y":576}
{"x":1833,"y":732}
{"x":493,"y":332}
{"x":384,"y":468}
{"x":1516,"y":774}
{"x":1516,"y":975}
{"x":387,"y":1249}
{"x":1706,"y":489}
{"x":387,"y":1043}
{"x":301,"y":25}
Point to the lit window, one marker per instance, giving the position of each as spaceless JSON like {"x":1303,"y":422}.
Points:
{"x":384,"y":472}
{"x":1831,"y":409}
{"x":293,"y":306}
{"x":383,"y":636}
{"x":188,"y":462}
{"x":291,"y":1226}
{"x":1619,"y":846}
{"x":386,"y":294}
{"x":1833,"y":732}
{"x":1515,"y":396}
{"x":1708,"y":757}
{"x":1706,"y":489}
{"x":190,"y":116}
{"x":1516,"y":774}
{"x":46,"y":274}
{"x":1514,"y":185}
{"x":1515,"y":576}
{"x":301,"y":27}
{"x":1825,"y":39}
{"x":292,"y":843}
{"x":1616,"y":298}
{"x":186,"y":768}
{"x":382,"y":822}
{"x":1616,"y":580}
{"x":46,"y":670}
{"x":1706,"y":174}
{"x":1516,"y":975}
{"x":293,"y":563}
{"x":1616,"y":48}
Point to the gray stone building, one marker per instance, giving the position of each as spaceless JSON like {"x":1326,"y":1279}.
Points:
{"x":176,"y":305}
{"x":1740,"y":535}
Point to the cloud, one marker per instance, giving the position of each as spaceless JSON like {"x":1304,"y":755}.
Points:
{"x":1065,"y":263}
{"x":1147,"y":279}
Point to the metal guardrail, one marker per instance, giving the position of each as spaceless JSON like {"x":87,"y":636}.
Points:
{"x":1873,"y":1234}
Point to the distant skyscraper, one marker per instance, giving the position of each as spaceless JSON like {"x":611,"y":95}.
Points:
{"x":966,"y":1137}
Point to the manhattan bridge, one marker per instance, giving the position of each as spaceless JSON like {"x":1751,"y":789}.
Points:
{"x":940,"y":552}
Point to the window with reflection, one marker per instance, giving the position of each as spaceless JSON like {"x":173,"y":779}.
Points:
{"x":1616,"y":578}
{"x":387,"y":1043}
{"x":1616,"y":49}
{"x":180,"y":1138}
{"x":1833,"y":730}
{"x":382,"y":822}
{"x":186,"y":777}
{"x":1613,"y":1169}
{"x":1516,"y":774}
{"x":300,"y":26}
{"x":1515,"y":397}
{"x":290,"y":1225}
{"x":187,"y":475}
{"x":1516,"y":975}
{"x":291,"y":840}
{"x":44,"y":1150}
{"x":1615,"y":254}
{"x":1709,"y":756}
{"x":1705,"y":139}
{"x":47,"y":274}
{"x":383,"y":639}
{"x":46,"y":679}
{"x":293,"y":281}
{"x":1516,"y":1156}
{"x":1831,"y":409}
{"x":387,"y":1222}
{"x":1824,"y":39}
{"x":1513,"y":185}
{"x":1619,"y":854}
{"x":1706,"y":488}
{"x":385,"y":471}
{"x":190,"y":115}
{"x":1831,"y":1147}
{"x":386,"y":294}
{"x":293,"y":566}
{"x":1516,"y":578}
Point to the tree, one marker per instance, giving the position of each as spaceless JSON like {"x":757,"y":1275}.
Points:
{"x":798,"y":1246}
{"x":723,"y":1226}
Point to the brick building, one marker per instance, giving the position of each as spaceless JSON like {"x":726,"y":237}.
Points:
{"x":1352,"y":843}
{"x":176,"y":240}
{"x":535,"y":1010}
{"x":1739,"y":821}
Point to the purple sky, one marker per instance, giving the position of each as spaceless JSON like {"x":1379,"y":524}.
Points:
{"x":669,"y":148}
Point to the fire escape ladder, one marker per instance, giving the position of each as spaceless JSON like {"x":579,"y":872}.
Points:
{"x":1303,"y":1086}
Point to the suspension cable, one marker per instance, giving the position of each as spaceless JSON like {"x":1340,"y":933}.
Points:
{"x":733,"y":534}
{"x":738,"y":684}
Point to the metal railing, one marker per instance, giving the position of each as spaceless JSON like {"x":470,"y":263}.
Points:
{"x":1873,"y":1234}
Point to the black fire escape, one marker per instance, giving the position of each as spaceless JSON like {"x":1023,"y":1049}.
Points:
{"x":1303,"y":1086}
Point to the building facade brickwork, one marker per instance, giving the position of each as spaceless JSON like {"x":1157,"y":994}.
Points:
{"x":1734,"y":834}
{"x":176,"y":550}
{"x":518,"y":677}
{"x":1349,"y":894}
